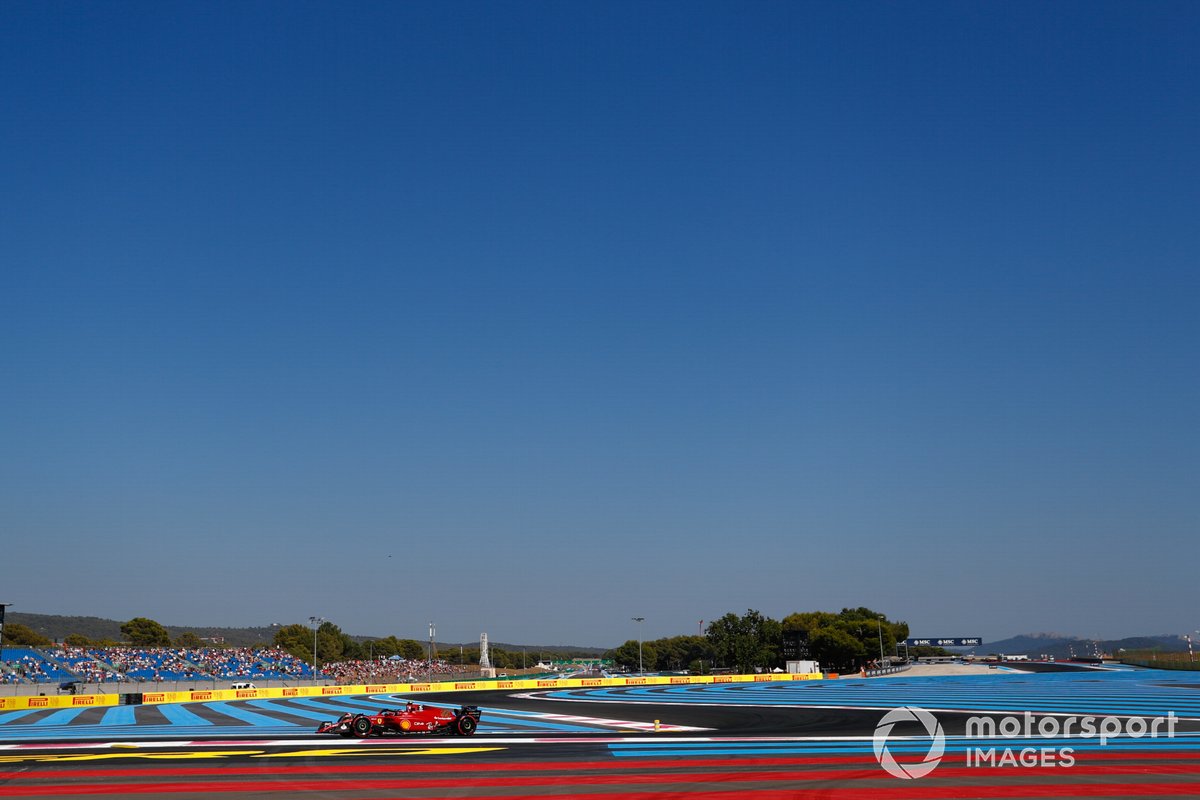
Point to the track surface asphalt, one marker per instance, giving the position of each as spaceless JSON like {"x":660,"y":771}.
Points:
{"x":782,"y":740}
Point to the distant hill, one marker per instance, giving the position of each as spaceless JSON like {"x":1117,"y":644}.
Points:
{"x":57,"y":628}
{"x":1061,"y":647}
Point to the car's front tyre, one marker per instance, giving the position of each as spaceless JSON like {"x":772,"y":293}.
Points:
{"x":361,"y":727}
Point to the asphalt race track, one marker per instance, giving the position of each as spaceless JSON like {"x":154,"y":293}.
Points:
{"x":782,"y":740}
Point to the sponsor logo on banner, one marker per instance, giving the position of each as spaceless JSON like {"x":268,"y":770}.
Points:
{"x":547,"y":683}
{"x":464,"y":686}
{"x":39,"y":702}
{"x":291,"y":692}
{"x":422,"y":687}
{"x":376,"y":688}
{"x":635,"y":681}
{"x":83,"y":701}
{"x":681,"y":680}
{"x":155,"y":697}
{"x":331,"y":690}
{"x":591,"y":682}
{"x":247,"y":693}
{"x":946,"y":641}
{"x":723,"y":679}
{"x":505,"y":685}
{"x":763,"y":678}
{"x":201,"y":696}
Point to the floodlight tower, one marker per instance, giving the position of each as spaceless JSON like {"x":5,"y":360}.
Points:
{"x":316,"y":622}
{"x":639,"y":619}
{"x":2,"y":607}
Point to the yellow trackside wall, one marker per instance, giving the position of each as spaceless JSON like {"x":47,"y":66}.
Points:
{"x":9,"y":703}
{"x":57,"y":701}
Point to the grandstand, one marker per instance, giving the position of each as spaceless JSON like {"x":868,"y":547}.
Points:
{"x":65,"y":668}
{"x":38,"y":666}
{"x":28,"y":665}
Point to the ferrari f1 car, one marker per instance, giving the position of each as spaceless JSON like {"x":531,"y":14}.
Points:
{"x":412,"y":718}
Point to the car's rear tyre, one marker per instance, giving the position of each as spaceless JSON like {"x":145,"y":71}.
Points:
{"x":465,"y":725}
{"x":361,"y":727}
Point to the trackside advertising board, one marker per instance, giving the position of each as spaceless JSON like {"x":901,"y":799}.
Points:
{"x":56,"y":701}
{"x":10,"y":703}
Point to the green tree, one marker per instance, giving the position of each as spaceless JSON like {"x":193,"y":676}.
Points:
{"x":835,"y":648}
{"x":296,"y":640}
{"x":872,"y":629}
{"x":744,"y":642}
{"x":77,"y":640}
{"x":924,"y":651}
{"x":724,"y":637}
{"x":695,"y":649}
{"x":411,"y":648}
{"x":19,"y":635}
{"x":865,"y":625}
{"x":678,"y":652}
{"x":145,"y":632}
{"x":352,"y":649}
{"x":330,"y":645}
{"x":649,"y":657}
{"x":808,"y":622}
{"x":503,"y":659}
{"x":770,"y":635}
{"x":625,"y":656}
{"x":188,"y":639}
{"x":386,"y":647}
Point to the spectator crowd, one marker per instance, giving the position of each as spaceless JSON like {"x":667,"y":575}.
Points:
{"x":149,"y":664}
{"x":159,"y":664}
{"x":391,"y":670}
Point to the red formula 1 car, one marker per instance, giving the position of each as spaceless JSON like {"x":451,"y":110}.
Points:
{"x":412,"y":718}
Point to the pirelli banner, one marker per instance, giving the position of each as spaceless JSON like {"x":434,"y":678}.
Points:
{"x":9,"y":703}
{"x":57,"y":701}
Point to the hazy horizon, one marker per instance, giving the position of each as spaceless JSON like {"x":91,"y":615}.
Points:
{"x":424,"y":636}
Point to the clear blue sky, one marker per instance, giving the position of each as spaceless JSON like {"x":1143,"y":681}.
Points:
{"x":529,"y":318}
